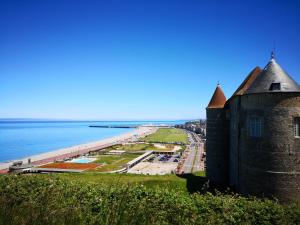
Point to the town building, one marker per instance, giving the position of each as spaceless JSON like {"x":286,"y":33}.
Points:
{"x":253,"y":138}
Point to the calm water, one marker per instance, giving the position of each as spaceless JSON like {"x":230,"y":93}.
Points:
{"x":19,"y":139}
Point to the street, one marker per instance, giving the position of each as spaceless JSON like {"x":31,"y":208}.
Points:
{"x":194,"y":153}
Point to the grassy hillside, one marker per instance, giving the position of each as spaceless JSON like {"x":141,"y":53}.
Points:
{"x":170,"y":181}
{"x":167,"y":135}
{"x":48,"y":199}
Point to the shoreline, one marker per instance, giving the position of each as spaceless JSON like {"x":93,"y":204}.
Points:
{"x":77,"y":150}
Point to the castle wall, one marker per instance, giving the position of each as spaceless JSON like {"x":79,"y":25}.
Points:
{"x":268,"y":165}
{"x":217,"y":146}
{"x":234,"y":116}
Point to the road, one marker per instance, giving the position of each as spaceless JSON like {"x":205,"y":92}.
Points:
{"x":193,"y":155}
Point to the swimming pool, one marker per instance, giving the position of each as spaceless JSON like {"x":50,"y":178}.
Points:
{"x":82,"y":160}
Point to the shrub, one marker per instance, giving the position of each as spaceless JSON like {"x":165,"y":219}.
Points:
{"x":46,"y":199}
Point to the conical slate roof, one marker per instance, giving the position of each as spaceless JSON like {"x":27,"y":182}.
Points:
{"x":273,"y":79}
{"x":218,"y":99}
{"x":248,"y":81}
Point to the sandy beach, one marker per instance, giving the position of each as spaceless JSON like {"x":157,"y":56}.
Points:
{"x":82,"y":148}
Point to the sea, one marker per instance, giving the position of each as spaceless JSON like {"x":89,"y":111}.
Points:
{"x":23,"y":138}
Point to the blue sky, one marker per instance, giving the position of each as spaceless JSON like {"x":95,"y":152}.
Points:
{"x":158,"y":59}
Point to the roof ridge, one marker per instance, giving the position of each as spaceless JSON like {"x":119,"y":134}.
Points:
{"x":248,"y":81}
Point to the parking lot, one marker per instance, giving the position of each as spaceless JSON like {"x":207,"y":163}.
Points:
{"x":157,"y":164}
{"x":164,"y":158}
{"x":152,"y":168}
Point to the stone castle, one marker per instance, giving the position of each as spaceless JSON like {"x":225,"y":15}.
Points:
{"x":253,"y":138}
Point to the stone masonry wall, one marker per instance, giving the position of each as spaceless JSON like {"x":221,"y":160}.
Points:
{"x":217,"y":146}
{"x":270,"y":165}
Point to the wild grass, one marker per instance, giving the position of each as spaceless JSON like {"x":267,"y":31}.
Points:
{"x":43,"y":200}
{"x":156,"y":181}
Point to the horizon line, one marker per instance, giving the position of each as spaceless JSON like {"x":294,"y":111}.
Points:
{"x":93,"y":119}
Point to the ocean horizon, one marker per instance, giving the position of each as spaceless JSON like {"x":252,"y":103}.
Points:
{"x":21,"y":138}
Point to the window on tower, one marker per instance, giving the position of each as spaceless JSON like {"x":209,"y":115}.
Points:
{"x":275,"y":87}
{"x":297,"y":126}
{"x":255,"y":124}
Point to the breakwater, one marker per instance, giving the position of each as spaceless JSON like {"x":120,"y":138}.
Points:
{"x":112,"y":126}
{"x":101,"y":126}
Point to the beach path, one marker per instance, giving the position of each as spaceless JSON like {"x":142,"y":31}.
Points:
{"x":77,"y":150}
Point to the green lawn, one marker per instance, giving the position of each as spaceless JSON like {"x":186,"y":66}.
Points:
{"x":114,"y":162}
{"x":169,"y":181}
{"x":139,"y":147}
{"x":131,"y":147}
{"x":168,"y":135}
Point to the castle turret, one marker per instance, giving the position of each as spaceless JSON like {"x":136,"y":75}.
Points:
{"x":217,"y":139}
{"x":258,"y":151}
{"x":264,"y":135}
{"x":270,"y":144}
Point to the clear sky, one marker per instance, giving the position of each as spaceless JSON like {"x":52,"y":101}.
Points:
{"x":156,"y":59}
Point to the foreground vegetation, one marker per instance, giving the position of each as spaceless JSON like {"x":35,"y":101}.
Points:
{"x":168,"y":135}
{"x":169,"y":181}
{"x":45,"y":199}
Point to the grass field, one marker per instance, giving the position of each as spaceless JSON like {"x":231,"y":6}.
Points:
{"x":131,"y":147}
{"x":169,"y":181}
{"x":185,"y":185}
{"x":114,"y":162}
{"x":168,"y":135}
{"x":140,"y":147}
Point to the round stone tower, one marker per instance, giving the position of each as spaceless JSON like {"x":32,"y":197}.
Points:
{"x":217,"y":139}
{"x":269,"y":149}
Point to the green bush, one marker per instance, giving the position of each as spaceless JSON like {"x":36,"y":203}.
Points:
{"x":45,"y":199}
